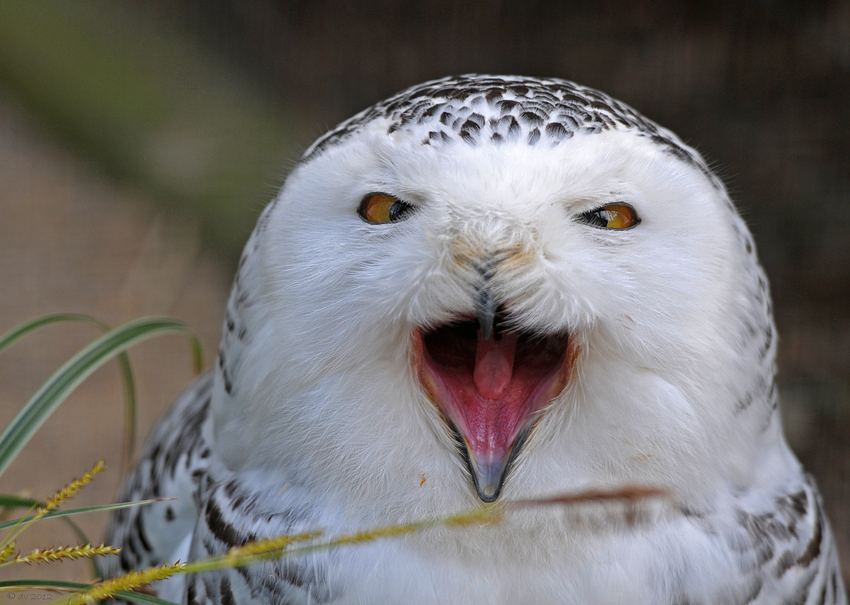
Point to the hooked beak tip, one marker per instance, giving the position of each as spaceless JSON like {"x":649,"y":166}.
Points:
{"x":488,"y":478}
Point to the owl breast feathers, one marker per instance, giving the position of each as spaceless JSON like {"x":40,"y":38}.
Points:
{"x":491,"y":289}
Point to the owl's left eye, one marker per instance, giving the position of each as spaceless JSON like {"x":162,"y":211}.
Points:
{"x":382,"y":208}
{"x":612,"y":216}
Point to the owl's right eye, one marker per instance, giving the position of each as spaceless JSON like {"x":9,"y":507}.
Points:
{"x":381,"y":208}
{"x":612,"y":216}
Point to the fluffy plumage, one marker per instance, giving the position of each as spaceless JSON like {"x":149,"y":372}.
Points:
{"x":350,"y":370}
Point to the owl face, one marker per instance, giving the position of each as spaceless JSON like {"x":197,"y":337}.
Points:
{"x":511,"y":304}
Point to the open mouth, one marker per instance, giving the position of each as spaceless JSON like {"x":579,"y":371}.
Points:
{"x":491,"y":390}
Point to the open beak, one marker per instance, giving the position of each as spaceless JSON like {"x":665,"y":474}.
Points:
{"x":490,"y":385}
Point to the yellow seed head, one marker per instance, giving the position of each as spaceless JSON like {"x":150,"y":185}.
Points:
{"x":84,"y":551}
{"x":69,"y":490}
{"x":7,"y":551}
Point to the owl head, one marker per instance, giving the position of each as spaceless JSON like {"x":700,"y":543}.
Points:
{"x":489,"y":287}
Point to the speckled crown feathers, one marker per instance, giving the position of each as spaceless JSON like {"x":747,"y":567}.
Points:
{"x":481,"y":109}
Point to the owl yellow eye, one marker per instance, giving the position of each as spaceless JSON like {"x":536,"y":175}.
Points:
{"x":612,"y":216}
{"x":381,"y":208}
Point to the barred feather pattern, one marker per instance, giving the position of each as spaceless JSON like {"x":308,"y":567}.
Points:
{"x":785,"y":553}
{"x":235,"y":514}
{"x":174,"y":464}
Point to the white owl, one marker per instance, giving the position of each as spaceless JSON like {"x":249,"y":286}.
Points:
{"x":491,"y":288}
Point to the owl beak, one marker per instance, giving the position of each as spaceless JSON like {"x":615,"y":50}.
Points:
{"x":489,"y":469}
{"x":485,"y":309}
{"x":490,"y":387}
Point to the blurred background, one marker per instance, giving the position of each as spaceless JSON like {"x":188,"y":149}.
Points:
{"x":140,"y":140}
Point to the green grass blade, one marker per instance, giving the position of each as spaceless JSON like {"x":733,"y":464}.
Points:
{"x":78,"y":368}
{"x":79,"y":511}
{"x":130,"y":411}
{"x":135,"y":597}
{"x":9,"y":501}
{"x":42,"y":584}
{"x":25,"y":328}
{"x":17,"y":502}
{"x":197,"y":353}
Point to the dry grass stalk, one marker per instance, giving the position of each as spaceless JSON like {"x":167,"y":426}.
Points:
{"x":131,"y":581}
{"x":269,"y":546}
{"x":274,"y":547}
{"x":62,"y":495}
{"x":625,"y":494}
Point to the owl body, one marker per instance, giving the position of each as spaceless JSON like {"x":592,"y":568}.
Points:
{"x":492,"y":289}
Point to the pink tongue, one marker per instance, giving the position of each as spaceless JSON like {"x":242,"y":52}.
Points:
{"x":494,"y":365}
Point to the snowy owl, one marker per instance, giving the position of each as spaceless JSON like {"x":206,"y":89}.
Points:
{"x":491,"y":289}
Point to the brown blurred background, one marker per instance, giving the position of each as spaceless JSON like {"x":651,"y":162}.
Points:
{"x":139,"y":141}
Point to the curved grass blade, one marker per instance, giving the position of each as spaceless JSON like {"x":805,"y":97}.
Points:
{"x":136,"y":597}
{"x":21,"y":330}
{"x":9,"y":338}
{"x":54,"y":391}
